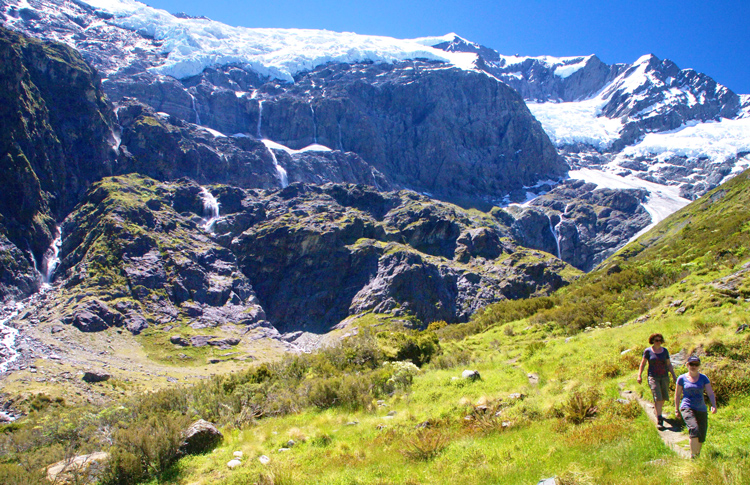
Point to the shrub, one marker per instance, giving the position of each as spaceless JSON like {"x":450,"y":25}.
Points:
{"x":581,"y":406}
{"x":148,"y":447}
{"x":607,"y":369}
{"x":533,"y":348}
{"x":631,"y":360}
{"x":451,"y":360}
{"x":728,"y":380}
{"x":424,"y":444}
{"x":321,"y":441}
{"x":15,"y":474}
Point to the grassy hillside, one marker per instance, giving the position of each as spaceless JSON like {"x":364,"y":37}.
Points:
{"x":546,"y":405}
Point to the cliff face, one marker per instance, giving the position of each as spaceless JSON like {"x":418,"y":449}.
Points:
{"x":56,"y":137}
{"x":452,"y":133}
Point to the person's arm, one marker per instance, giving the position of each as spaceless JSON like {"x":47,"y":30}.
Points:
{"x":677,"y":399}
{"x":711,"y":397}
{"x":640,"y":369}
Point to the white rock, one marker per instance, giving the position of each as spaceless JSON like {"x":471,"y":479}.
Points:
{"x":264,"y":459}
{"x":234,"y":463}
{"x":237,"y":454}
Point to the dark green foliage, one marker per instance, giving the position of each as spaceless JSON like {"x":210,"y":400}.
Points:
{"x":149,"y":445}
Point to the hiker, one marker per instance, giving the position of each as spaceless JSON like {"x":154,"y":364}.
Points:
{"x":658,"y":378}
{"x":689,"y":401}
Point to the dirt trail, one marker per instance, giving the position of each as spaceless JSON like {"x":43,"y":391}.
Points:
{"x":671,"y":434}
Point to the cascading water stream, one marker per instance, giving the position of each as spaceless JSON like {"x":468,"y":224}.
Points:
{"x":281,"y":171}
{"x":51,"y":260}
{"x":260,"y":119}
{"x":195,"y":109}
{"x":8,"y":335}
{"x":315,"y":125}
{"x":210,"y":210}
{"x":555,"y":230}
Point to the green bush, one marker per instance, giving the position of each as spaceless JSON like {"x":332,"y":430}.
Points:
{"x":424,"y":444}
{"x":146,"y":448}
{"x":581,"y":406}
{"x":729,"y":379}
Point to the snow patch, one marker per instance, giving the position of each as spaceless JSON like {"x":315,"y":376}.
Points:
{"x":662,"y":200}
{"x":310,"y":148}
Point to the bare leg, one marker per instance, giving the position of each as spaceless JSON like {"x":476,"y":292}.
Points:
{"x":695,"y":447}
{"x":658,"y":406}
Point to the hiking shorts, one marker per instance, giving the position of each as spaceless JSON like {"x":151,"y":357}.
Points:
{"x":659,"y":387}
{"x":697,"y":423}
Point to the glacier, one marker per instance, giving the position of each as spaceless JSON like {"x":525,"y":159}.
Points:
{"x":193,"y":44}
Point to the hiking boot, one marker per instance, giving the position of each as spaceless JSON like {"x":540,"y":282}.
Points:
{"x":660,"y":421}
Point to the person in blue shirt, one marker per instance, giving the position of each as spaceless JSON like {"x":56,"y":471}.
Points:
{"x":689,"y":401}
{"x":659,"y":368}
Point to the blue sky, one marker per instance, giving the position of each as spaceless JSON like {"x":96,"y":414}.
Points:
{"x":710,"y":36}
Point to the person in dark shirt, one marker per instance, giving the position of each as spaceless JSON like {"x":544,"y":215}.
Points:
{"x":659,"y":368}
{"x":689,"y":401}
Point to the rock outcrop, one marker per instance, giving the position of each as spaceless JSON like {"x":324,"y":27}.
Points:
{"x":142,"y":263}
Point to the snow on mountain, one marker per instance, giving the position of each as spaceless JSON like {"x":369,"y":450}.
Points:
{"x":577,"y":122}
{"x":662,"y":200}
{"x":192,"y":44}
{"x":718,"y":141}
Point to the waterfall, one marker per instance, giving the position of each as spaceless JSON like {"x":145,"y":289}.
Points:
{"x":281,"y":171}
{"x":315,"y":125}
{"x":260,"y":119}
{"x":555,"y":230}
{"x":210,"y":209}
{"x":51,"y":259}
{"x":117,"y":136}
{"x":195,"y":109}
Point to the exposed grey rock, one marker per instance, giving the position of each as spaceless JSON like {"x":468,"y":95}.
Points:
{"x":471,"y":375}
{"x":95,"y":376}
{"x":224,"y":344}
{"x":200,"y":437}
{"x":80,"y":469}
{"x":178,"y":340}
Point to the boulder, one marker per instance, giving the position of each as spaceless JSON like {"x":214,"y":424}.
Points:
{"x":95,"y":376}
{"x":471,"y":375}
{"x":78,"y":470}
{"x":177,"y":340}
{"x":200,"y":437}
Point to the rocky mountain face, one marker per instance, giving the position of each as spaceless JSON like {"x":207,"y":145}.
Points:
{"x":599,"y":115}
{"x":138,"y":253}
{"x":667,"y":99}
{"x":423,"y":125}
{"x":56,"y":137}
{"x":232,"y":198}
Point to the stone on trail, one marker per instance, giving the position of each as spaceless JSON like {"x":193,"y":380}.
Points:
{"x":472,"y":375}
